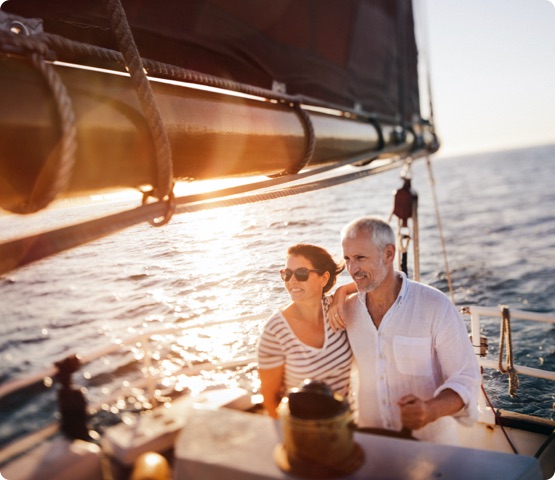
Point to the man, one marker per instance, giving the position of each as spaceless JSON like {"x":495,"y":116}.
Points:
{"x":417,"y":368}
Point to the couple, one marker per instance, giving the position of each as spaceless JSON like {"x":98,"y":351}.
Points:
{"x":416,"y":366}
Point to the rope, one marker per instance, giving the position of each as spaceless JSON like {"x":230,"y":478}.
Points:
{"x":56,"y":171}
{"x":439,"y":227}
{"x":416,"y":242}
{"x":136,"y":69}
{"x":47,"y":189}
{"x":505,"y":337}
{"x":308,"y":128}
{"x":172,"y":72}
{"x":74,"y":48}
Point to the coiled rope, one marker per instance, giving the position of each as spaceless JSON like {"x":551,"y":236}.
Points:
{"x":310,"y":140}
{"x":56,"y":171}
{"x":506,"y":340}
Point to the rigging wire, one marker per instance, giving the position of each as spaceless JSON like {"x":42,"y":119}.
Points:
{"x":416,"y":242}
{"x":440,"y":228}
{"x":427,"y":76}
{"x":26,"y":250}
{"x":401,"y":63}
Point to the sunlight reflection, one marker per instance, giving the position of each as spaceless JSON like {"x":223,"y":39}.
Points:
{"x":221,"y":343}
{"x":170,"y":364}
{"x":221,"y":224}
{"x":215,"y":257}
{"x":201,"y":186}
{"x":197,"y":358}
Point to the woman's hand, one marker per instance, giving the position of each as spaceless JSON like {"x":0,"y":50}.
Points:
{"x":271,"y":382}
{"x":336,"y":314}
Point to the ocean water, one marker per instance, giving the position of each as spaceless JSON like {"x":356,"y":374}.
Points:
{"x":498,"y":218}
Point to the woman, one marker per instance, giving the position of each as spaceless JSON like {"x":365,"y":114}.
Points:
{"x":298,"y":342}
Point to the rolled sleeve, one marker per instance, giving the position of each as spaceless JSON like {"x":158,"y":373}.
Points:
{"x":469,"y":413}
{"x":460,"y":368}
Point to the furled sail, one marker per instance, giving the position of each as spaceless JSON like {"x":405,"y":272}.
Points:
{"x":315,"y":81}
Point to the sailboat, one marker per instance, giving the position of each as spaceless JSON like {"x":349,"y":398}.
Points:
{"x":144,"y":95}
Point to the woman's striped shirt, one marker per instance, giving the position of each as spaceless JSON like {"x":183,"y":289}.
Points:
{"x":278,"y":346}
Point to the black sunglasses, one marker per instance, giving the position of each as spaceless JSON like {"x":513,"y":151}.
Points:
{"x":301,"y":274}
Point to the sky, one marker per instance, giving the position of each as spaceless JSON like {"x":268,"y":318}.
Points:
{"x":492,"y":68}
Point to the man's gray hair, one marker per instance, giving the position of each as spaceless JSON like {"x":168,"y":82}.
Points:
{"x":380,"y":233}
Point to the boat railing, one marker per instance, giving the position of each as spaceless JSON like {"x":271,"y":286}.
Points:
{"x":476,"y":314}
{"x":141,"y":340}
{"x":147,"y":383}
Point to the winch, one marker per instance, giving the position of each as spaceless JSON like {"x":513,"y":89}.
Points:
{"x":317,"y":432}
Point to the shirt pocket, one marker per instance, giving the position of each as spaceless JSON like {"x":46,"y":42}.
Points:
{"x":413,"y":355}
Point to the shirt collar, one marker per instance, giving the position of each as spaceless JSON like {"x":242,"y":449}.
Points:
{"x":402,"y":292}
{"x":404,"y":286}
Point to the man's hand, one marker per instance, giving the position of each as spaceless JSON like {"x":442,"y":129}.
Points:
{"x":415,"y":413}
